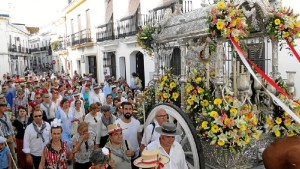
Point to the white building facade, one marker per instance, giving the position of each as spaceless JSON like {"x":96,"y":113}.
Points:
{"x":14,"y":47}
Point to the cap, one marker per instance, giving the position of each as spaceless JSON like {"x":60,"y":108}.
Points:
{"x":96,"y":86}
{"x":46,"y":95}
{"x":2,"y":139}
{"x":76,"y":94}
{"x":3,"y":104}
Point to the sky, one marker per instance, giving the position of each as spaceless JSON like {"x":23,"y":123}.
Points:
{"x":32,"y":12}
{"x":42,"y":12}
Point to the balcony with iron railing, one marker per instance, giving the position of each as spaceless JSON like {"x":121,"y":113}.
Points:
{"x":81,"y":37}
{"x":157,"y":14}
{"x":35,"y":49}
{"x":127,"y":26}
{"x":105,"y":32}
{"x":17,"y":49}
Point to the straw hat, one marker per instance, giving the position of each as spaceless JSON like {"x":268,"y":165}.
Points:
{"x":151,"y":158}
{"x":112,"y":128}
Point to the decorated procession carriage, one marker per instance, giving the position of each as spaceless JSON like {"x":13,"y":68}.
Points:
{"x":219,"y":93}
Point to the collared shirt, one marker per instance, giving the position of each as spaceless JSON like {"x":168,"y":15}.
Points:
{"x":86,"y":148}
{"x":176,"y":156}
{"x":33,"y":144}
{"x":4,"y":123}
{"x":52,"y":109}
{"x":93,"y":98}
{"x":107,"y":89}
{"x":94,"y":125}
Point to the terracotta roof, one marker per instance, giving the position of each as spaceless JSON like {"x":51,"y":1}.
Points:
{"x":33,"y":30}
{"x":109,"y":11}
{"x":133,"y":6}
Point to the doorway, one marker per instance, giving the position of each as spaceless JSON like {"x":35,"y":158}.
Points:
{"x":140,"y":67}
{"x":93,"y":66}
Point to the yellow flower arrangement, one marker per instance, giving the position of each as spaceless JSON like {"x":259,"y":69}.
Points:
{"x":283,"y":24}
{"x":281,"y":124}
{"x":168,"y":88}
{"x":226,"y":20}
{"x":196,"y":93}
{"x":228,"y":127}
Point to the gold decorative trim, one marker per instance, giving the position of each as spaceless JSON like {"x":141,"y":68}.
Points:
{"x":74,"y":5}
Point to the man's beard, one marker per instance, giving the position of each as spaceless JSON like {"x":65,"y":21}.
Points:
{"x":127,"y":115}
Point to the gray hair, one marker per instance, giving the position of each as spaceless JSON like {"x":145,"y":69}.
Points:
{"x":97,"y":157}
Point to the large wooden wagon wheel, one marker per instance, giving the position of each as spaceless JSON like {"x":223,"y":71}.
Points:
{"x":190,"y":142}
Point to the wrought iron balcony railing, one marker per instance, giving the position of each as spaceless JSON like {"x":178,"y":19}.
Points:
{"x":128,"y":26}
{"x":157,"y":14}
{"x":81,"y":37}
{"x":105,"y":32}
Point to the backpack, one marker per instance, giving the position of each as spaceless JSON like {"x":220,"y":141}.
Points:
{"x":142,"y":133}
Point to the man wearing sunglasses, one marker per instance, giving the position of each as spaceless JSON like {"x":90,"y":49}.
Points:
{"x":37,"y":135}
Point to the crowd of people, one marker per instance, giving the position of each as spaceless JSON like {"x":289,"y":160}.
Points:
{"x":52,"y":121}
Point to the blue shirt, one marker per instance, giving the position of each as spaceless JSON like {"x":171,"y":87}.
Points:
{"x":4,"y":153}
{"x":66,"y":124}
{"x":107,"y":90}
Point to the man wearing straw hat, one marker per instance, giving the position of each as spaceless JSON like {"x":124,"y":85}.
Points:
{"x":169,"y":147}
{"x":121,"y":151}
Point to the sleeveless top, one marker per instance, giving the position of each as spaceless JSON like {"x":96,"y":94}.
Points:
{"x":56,"y":159}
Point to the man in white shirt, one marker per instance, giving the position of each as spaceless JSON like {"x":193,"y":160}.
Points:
{"x":37,"y":135}
{"x":48,"y":107}
{"x":96,"y":95}
{"x":150,"y":134}
{"x":131,"y":127}
{"x":169,"y":147}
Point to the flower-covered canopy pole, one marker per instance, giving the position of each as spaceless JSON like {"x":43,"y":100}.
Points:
{"x":196,"y":90}
{"x":225,"y":21}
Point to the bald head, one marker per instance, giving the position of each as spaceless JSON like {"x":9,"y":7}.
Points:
{"x":161,"y":116}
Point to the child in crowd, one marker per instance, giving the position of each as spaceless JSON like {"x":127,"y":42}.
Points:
{"x":5,"y":159}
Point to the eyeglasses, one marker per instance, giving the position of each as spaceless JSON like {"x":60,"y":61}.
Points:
{"x":162,"y":116}
{"x":37,"y":116}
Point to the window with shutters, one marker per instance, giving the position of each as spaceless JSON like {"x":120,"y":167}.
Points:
{"x":109,"y":63}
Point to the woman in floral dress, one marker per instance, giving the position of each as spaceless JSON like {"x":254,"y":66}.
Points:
{"x":56,"y":152}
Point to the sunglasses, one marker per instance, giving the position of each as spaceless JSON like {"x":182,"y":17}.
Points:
{"x":37,"y":116}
